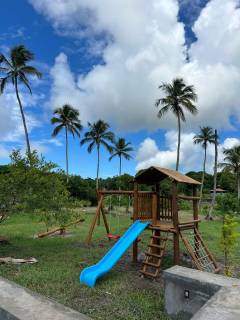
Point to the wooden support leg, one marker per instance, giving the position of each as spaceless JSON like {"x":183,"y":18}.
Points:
{"x":176,"y":249}
{"x":89,"y":237}
{"x":105,"y":220}
{"x":135,"y":251}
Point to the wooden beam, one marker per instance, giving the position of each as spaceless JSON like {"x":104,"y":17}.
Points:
{"x":183,"y":197}
{"x":117,"y":192}
{"x":176,"y":251}
{"x":105,"y":219}
{"x":97,"y":214}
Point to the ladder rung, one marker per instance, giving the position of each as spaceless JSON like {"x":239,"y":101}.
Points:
{"x":156,"y":246}
{"x":159,"y":237}
{"x":149,"y":274}
{"x":156,"y":265}
{"x":154,"y":255}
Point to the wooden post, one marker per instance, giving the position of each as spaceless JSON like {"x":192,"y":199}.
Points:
{"x":158,"y":200}
{"x":105,"y":220}
{"x":135,"y":216}
{"x":195,"y":204}
{"x":154,"y":208}
{"x":98,"y":220}
{"x":175,"y":224}
{"x":195,"y":217}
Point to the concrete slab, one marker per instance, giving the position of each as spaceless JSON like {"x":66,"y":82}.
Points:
{"x":18,"y":303}
{"x":188,"y":290}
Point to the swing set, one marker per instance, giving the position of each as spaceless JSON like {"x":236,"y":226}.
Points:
{"x":103,"y":212}
{"x":162,"y":213}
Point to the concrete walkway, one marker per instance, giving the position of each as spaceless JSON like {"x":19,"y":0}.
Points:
{"x":18,"y":303}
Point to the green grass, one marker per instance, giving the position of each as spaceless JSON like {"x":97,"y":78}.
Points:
{"x":122,"y":294}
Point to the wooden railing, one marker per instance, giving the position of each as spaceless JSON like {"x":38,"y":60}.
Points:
{"x":165,"y":208}
{"x":145,"y":206}
{"x":147,"y":203}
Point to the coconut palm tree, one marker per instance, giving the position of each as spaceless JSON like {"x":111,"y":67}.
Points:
{"x":178,"y":98}
{"x":205,"y":137}
{"x":209,"y":215}
{"x":66,"y":118}
{"x":15,"y":70}
{"x":121,"y":149}
{"x":232,"y":163}
{"x":98,"y":134}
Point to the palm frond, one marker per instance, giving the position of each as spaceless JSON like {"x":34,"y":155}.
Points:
{"x":57,"y":130}
{"x":3,"y":83}
{"x":91,"y":147}
{"x":31,"y":71}
{"x":24,"y":80}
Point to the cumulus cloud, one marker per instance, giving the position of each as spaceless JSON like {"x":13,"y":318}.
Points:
{"x":145,"y":47}
{"x":11,"y":128}
{"x":191,"y":155}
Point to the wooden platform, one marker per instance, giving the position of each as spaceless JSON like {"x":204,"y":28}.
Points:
{"x":166,"y":226}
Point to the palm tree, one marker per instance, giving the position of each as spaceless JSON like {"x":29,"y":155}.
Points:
{"x":178,"y":96}
{"x":121,"y":149}
{"x":98,"y":135}
{"x":68,"y":118}
{"x":16,"y":71}
{"x":232,"y":163}
{"x":209,"y":215}
{"x":205,"y":136}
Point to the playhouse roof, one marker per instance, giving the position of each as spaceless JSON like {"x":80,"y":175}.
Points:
{"x":154,"y":175}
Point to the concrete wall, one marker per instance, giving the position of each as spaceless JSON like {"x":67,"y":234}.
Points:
{"x":191,"y":292}
{"x":18,"y":303}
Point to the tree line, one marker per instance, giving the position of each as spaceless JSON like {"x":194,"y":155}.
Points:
{"x":178,"y":98}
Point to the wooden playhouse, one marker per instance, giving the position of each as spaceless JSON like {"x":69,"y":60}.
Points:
{"x":165,"y":221}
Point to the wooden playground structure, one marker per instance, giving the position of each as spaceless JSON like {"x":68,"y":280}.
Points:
{"x":165,"y":221}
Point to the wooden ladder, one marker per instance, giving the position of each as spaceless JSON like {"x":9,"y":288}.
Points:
{"x":154,"y":254}
{"x":198,"y":251}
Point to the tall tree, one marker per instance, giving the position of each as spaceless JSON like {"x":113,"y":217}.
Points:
{"x":66,"y":118}
{"x":232,"y":164}
{"x":15,"y":70}
{"x":121,"y":149}
{"x":209,"y":215}
{"x":98,"y":134}
{"x":178,"y":98}
{"x":205,"y":137}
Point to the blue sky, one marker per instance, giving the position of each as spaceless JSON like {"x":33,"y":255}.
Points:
{"x":84,"y":41}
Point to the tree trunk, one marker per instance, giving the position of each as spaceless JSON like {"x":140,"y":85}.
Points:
{"x":179,"y":142}
{"x":209,"y":215}
{"x":23,"y":117}
{"x":120,"y":166}
{"x":238,"y":185}
{"x":203,"y":175}
{"x":66,"y":136}
{"x":98,"y":161}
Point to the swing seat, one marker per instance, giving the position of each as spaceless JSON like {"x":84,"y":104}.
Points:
{"x":113,"y":236}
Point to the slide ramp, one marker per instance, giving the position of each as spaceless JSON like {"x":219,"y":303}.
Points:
{"x":90,"y":275}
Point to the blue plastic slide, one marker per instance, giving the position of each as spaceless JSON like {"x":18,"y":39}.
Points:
{"x":90,"y":275}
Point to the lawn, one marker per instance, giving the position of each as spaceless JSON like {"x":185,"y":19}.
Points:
{"x":122,"y":294}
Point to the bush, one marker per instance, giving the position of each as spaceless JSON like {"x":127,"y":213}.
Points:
{"x":33,"y":185}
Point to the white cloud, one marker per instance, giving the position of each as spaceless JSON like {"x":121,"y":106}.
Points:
{"x":191,"y":155}
{"x":11,"y":128}
{"x":146,"y":48}
{"x":4,"y":152}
